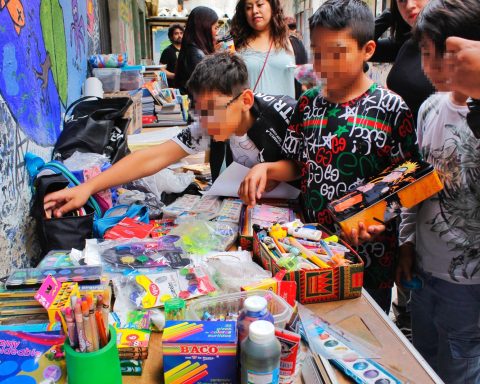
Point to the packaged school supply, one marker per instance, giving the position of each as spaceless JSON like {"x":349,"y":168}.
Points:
{"x":230,"y":211}
{"x":384,"y":196}
{"x":262,"y":215}
{"x":200,"y":351}
{"x":351,"y":361}
{"x":34,"y":277}
{"x":129,"y":228}
{"x":116,"y":214}
{"x":321,"y":273}
{"x":131,"y":367}
{"x":228,"y":307}
{"x":32,"y":358}
{"x":290,"y":342}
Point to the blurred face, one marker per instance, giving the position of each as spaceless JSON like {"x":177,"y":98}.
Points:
{"x":215,"y":28}
{"x":219,"y":114}
{"x":258,"y":14}
{"x":177,"y":36}
{"x":434,"y":65}
{"x":337,"y":57}
{"x":409,"y":9}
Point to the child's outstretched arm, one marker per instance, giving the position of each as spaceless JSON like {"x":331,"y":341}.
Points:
{"x":255,"y":183}
{"x":135,"y":166}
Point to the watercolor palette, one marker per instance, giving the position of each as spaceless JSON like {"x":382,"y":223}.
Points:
{"x":325,"y":341}
{"x":56,"y":259}
{"x":34,"y":277}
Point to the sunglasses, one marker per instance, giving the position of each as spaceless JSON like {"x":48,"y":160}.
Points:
{"x":473,"y":116}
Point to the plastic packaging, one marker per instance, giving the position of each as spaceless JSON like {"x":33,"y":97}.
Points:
{"x":131,"y":77}
{"x":175,"y":309}
{"x":260,"y":355}
{"x":112,"y":60}
{"x":297,"y":229}
{"x":110,"y":78}
{"x":220,"y":306}
{"x":201,"y":237}
{"x":255,"y":308}
{"x":233,"y":270}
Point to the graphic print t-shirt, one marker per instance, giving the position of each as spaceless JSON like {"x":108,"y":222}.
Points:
{"x":340,"y":146}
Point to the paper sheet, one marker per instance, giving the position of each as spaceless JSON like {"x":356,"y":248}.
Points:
{"x":228,"y":182}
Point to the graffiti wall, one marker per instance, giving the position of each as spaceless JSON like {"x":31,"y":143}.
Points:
{"x":44,"y":45}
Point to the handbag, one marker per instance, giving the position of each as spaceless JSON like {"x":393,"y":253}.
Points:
{"x":94,"y":125}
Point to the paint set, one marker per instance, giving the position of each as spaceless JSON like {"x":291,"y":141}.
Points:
{"x":34,"y":277}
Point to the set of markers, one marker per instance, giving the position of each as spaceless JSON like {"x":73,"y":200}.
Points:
{"x":295,"y":247}
{"x":87,"y":321}
{"x":84,"y":319}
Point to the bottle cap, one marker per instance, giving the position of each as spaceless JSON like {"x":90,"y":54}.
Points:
{"x":261,"y":332}
{"x":255,"y":304}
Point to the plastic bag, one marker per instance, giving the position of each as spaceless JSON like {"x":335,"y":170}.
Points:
{"x":168,"y":181}
{"x":200,"y":237}
{"x":232,"y":270}
{"x":128,"y":197}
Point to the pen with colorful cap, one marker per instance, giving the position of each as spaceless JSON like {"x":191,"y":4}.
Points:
{"x":79,"y":325}
{"x":106,"y":309}
{"x":93,"y":323}
{"x":72,"y":335}
{"x":87,"y":327}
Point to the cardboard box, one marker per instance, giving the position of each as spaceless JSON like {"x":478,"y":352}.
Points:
{"x":134,"y":113}
{"x":317,"y":285}
{"x":200,"y":351}
{"x":383,"y":197}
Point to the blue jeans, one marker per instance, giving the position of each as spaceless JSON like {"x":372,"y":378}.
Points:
{"x":446,"y":328}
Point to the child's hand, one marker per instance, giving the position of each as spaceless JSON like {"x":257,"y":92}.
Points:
{"x":66,"y":200}
{"x":254,"y":184}
{"x":363,"y":233}
{"x":406,"y":258}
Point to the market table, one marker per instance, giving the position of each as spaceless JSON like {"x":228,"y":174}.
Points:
{"x":361,"y":317}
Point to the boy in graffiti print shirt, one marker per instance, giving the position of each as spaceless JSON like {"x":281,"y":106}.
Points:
{"x":341,"y":137}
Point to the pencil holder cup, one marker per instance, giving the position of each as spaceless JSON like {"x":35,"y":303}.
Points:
{"x":99,"y":367}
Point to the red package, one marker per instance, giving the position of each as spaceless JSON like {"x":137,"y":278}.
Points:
{"x":290,"y":342}
{"x":129,"y":228}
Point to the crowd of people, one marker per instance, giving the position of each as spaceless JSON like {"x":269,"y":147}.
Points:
{"x":343,"y":131}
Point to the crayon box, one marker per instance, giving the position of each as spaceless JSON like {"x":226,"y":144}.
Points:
{"x":200,"y":352}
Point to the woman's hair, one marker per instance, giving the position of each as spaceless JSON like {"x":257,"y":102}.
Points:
{"x":400,"y":28}
{"x":242,"y":32}
{"x":198,"y":30}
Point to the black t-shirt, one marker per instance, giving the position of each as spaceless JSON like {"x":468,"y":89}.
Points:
{"x":169,"y":57}
{"x":408,"y":79}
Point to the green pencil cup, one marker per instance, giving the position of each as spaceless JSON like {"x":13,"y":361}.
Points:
{"x":99,"y":367}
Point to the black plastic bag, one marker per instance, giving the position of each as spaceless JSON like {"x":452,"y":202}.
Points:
{"x":96,"y":126}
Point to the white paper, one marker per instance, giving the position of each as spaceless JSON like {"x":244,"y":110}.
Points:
{"x":229,"y":181}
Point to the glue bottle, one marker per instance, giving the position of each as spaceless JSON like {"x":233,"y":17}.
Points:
{"x":254,"y":308}
{"x":260,"y":355}
{"x":296,"y":229}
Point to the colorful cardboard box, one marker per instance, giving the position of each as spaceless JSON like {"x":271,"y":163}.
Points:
{"x":317,"y":285}
{"x":384,"y":196}
{"x":200,"y":352}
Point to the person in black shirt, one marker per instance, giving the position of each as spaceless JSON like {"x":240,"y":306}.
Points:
{"x":170,"y":54}
{"x":406,"y":76}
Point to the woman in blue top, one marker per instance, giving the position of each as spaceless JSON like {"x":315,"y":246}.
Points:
{"x":261,"y":37}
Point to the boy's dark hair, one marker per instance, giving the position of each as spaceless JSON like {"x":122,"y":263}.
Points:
{"x":342,"y":14}
{"x":172,"y":28}
{"x":224,"y":72}
{"x":441,"y":19}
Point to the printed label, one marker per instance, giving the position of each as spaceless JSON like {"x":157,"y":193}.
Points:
{"x":270,"y":377}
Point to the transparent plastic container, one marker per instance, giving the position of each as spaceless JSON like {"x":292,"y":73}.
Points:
{"x":131,"y":78}
{"x":233,"y":302}
{"x":110,"y":78}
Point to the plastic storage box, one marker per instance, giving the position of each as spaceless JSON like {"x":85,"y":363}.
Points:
{"x":131,"y":78}
{"x":233,"y":303}
{"x":110,"y":78}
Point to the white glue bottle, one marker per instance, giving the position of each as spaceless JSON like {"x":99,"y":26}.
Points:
{"x":260,"y":355}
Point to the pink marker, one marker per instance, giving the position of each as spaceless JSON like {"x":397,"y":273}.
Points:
{"x":72,"y":335}
{"x":80,"y":329}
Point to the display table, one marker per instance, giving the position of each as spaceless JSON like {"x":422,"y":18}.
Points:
{"x":360,"y":317}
